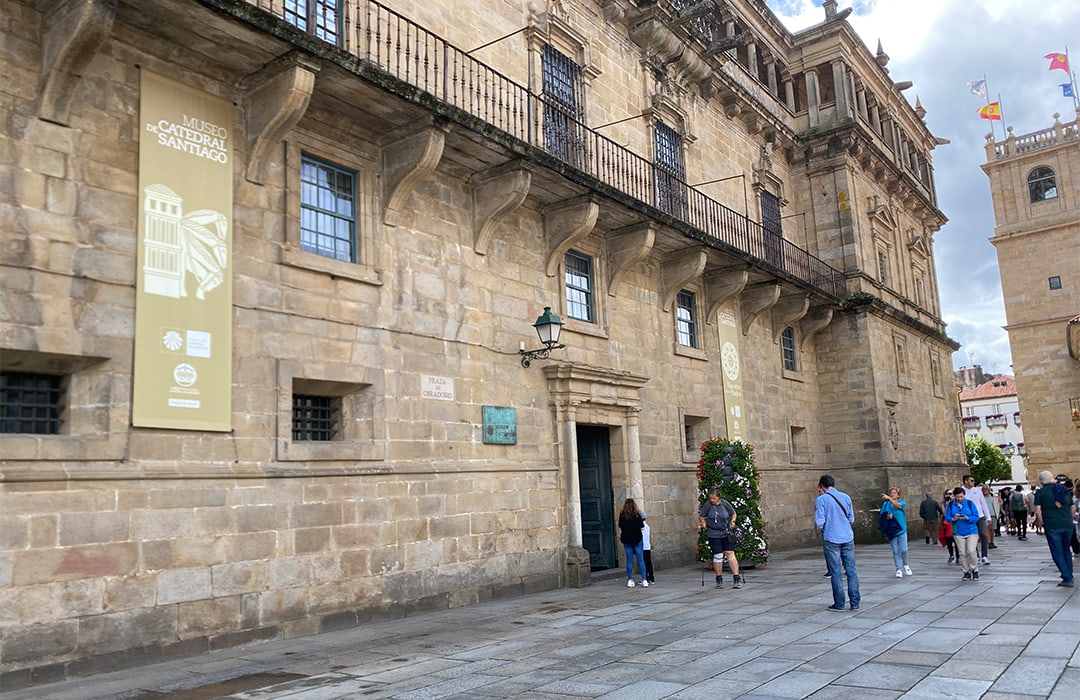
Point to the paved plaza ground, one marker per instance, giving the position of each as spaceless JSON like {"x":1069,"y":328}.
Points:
{"x":1014,"y":634}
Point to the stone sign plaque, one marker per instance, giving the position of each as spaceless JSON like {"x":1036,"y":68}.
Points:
{"x":500,"y":425}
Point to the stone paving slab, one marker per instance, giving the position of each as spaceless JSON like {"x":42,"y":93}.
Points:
{"x":1013,"y":634}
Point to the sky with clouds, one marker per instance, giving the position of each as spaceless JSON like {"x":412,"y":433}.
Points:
{"x":942,"y":45}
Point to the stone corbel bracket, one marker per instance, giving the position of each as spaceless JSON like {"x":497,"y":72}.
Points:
{"x":722,"y":286}
{"x":277,"y":97}
{"x":816,"y":320}
{"x":566,"y":223}
{"x":679,"y":268}
{"x":497,"y":191}
{"x":409,"y":155}
{"x":72,"y":33}
{"x":787,"y":311}
{"x":627,"y":247}
{"x":757,"y":300}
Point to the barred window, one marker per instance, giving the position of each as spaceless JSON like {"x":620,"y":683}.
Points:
{"x":563,"y":134}
{"x":31,"y":403}
{"x":316,"y":17}
{"x":579,"y":287}
{"x":787,"y":347}
{"x":315,"y":418}
{"x":327,"y":210}
{"x":685,"y":319}
{"x":669,"y":170}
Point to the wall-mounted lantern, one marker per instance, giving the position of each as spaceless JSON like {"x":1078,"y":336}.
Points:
{"x":548,"y":327}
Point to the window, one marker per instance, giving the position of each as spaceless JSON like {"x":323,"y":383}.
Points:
{"x":685,"y":319}
{"x":787,"y":348}
{"x":773,"y":230}
{"x":327,"y":210}
{"x":563,"y":114}
{"x":1055,"y":282}
{"x":935,"y":374}
{"x":316,"y":17}
{"x":31,"y":403}
{"x":799,"y":445}
{"x":1042,"y":184}
{"x":670,"y":171}
{"x":695,"y":432}
{"x":883,"y":266}
{"x":579,"y":287}
{"x":329,"y":411}
{"x":315,"y":418}
{"x":900,"y":347}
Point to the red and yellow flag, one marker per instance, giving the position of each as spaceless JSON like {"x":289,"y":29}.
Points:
{"x":991,"y":111}
{"x":1058,"y":61}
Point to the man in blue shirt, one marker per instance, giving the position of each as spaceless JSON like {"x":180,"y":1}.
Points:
{"x":833,"y":517}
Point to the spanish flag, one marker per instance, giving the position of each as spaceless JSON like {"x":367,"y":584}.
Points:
{"x":1058,"y":61}
{"x":991,"y":111}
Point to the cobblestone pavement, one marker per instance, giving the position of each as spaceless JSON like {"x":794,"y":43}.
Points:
{"x":1013,"y":634}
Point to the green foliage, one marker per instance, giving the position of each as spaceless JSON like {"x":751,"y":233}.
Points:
{"x":987,"y":462}
{"x":729,"y":466}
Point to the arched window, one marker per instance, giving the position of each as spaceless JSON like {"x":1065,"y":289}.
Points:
{"x":1042,"y":184}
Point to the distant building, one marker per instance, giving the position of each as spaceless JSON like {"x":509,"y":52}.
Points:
{"x":992,"y":411}
{"x":970,"y":377}
{"x":1035,"y":184}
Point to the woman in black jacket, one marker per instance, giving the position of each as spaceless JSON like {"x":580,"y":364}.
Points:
{"x":630,"y":525}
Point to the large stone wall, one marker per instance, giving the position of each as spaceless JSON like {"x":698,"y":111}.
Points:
{"x":120,"y":545}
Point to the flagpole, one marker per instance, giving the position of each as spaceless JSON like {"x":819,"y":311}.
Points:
{"x":1072,"y":76}
{"x":986,"y":96}
{"x":1001,"y":113}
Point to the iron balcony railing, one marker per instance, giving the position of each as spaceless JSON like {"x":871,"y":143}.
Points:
{"x":403,"y":49}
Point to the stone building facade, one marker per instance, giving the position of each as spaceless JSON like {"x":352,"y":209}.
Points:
{"x":733,"y":222}
{"x":1035,"y":185}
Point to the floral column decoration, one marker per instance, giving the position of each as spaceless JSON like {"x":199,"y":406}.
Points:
{"x":729,"y":466}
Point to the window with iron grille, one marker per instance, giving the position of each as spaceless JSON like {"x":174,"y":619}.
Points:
{"x":787,"y":347}
{"x":31,"y":403}
{"x":563,"y":115}
{"x":670,"y":171}
{"x":685,"y":319}
{"x":773,"y":229}
{"x":327,"y":210}
{"x":316,"y":17}
{"x":579,"y":287}
{"x":770,"y":213}
{"x":1042,"y":184}
{"x":315,"y":418}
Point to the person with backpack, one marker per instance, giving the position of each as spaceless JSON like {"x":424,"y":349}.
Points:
{"x":930,"y":511}
{"x":1054,"y":511}
{"x":717,"y":518}
{"x":892,"y":509}
{"x":1019,"y":511}
{"x":963,"y":515}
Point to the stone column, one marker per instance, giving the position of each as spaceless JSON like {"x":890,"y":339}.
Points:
{"x":633,"y":453}
{"x":573,"y":485}
{"x":789,"y":93}
{"x":578,"y":565}
{"x":843,"y":103}
{"x":770,"y":75}
{"x":813,"y":97}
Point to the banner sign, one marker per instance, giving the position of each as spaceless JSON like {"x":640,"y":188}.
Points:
{"x":183,"y":302}
{"x":730,"y":362}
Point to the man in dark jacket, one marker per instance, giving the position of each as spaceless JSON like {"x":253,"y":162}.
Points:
{"x":930,"y":511}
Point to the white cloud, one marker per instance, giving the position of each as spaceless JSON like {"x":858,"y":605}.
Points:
{"x":940,"y":45}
